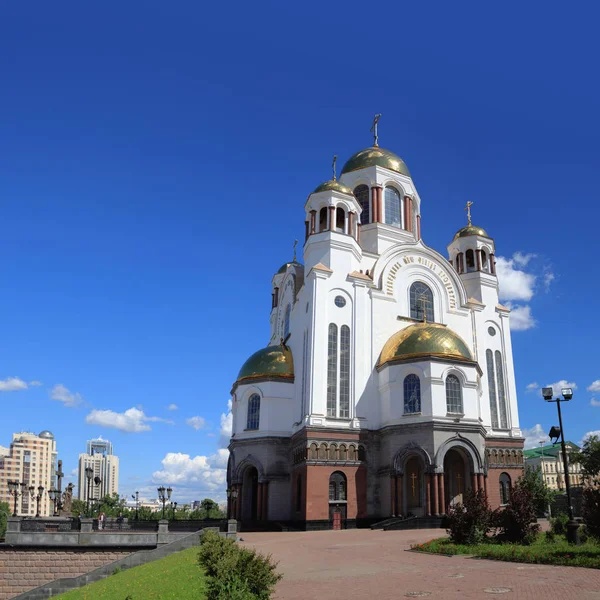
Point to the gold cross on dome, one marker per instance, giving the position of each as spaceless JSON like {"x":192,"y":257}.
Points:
{"x":333,"y":164}
{"x":468,"y":209}
{"x":295,"y":244}
{"x":374,"y":129}
{"x":423,"y":302}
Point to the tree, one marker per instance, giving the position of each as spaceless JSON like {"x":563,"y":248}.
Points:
{"x":470,"y":523}
{"x":589,"y":459}
{"x":78,"y":507}
{"x":517,"y":522}
{"x":533,"y":481}
{"x":4,"y":514}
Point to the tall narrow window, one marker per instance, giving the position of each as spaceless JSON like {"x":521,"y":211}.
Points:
{"x":344,"y":372}
{"x":332,"y":343}
{"x":492,"y":387}
{"x":504,"y":488}
{"x":501,"y":391}
{"x":362,"y":195}
{"x":412,"y":394}
{"x":421,"y":299}
{"x":253,"y":412}
{"x":340,"y":220}
{"x":323,"y":219}
{"x":393,"y":207}
{"x":470,"y":256}
{"x":286,"y":322}
{"x":337,"y":487}
{"x":484,"y":261}
{"x":454,"y":402}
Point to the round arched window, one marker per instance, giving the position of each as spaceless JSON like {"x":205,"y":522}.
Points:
{"x":491,"y":331}
{"x":340,"y":301}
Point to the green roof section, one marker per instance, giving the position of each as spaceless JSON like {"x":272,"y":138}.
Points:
{"x":548,"y":450}
{"x":284,"y":267}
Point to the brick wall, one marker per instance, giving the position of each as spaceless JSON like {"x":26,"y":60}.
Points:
{"x":23,"y":570}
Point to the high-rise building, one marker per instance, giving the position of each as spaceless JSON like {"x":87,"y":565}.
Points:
{"x":105,"y":465}
{"x":31,"y":459}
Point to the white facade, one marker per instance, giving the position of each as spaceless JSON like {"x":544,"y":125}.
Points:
{"x":105,"y":465}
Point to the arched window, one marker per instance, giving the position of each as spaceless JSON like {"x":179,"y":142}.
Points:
{"x":492,"y":387}
{"x":470,"y":255}
{"x":344,"y":372}
{"x":253,"y":412}
{"x":412,"y":394}
{"x":340,"y":220}
{"x":505,"y":486}
{"x":501,"y":391}
{"x":337,"y":487}
{"x":332,"y":343}
{"x":484,"y":261}
{"x":454,"y":401}
{"x":343,"y":452}
{"x":323,"y":219}
{"x":332,"y":452}
{"x":362,"y":195}
{"x":421,"y":298}
{"x":286,"y":322}
{"x":393,"y":207}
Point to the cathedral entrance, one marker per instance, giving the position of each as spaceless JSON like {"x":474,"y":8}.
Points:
{"x":250,"y":494}
{"x":414,"y":486}
{"x":456,"y":475}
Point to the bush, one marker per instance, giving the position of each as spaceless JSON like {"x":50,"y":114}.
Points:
{"x":470,"y":523}
{"x":591,"y":511}
{"x":235,"y":572}
{"x":517,"y":522}
{"x":558,"y":524}
{"x":550,"y":536}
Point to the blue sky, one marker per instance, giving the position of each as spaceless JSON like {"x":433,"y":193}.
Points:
{"x":154,"y":162}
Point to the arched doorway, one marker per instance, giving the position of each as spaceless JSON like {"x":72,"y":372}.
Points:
{"x":250,"y":494}
{"x":456,"y":476}
{"x":413,"y":477}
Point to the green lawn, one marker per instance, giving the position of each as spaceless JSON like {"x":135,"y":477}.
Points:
{"x":558,"y":552}
{"x":177,"y":576}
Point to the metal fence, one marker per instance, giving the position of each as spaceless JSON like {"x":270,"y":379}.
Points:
{"x":50,"y":525}
{"x":113,"y":525}
{"x":192,"y":525}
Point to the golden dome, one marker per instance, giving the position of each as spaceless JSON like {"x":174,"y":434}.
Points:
{"x":272,"y":362}
{"x":376,"y":156}
{"x":285,"y":266}
{"x":333,"y":186}
{"x":423,"y":340}
{"x":471,"y":230}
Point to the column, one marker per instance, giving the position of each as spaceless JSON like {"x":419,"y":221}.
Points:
{"x":428,"y":494}
{"x":276,"y":297}
{"x":461,"y":263}
{"x":399,"y":502}
{"x":331,"y":217}
{"x":265,"y":500}
{"x":393,"y":495}
{"x":478,"y":255}
{"x":259,"y":502}
{"x":492,"y":264}
{"x":380,"y":204}
{"x":306,"y":230}
{"x":351,"y":216}
{"x":435,"y":508}
{"x":374,"y":216}
{"x":238,"y":503}
{"x":481,"y":478}
{"x":418,"y":227}
{"x":358,"y":226}
{"x":474,"y":483}
{"x":442,"y":495}
{"x":408,"y":214}
{"x":313,"y":219}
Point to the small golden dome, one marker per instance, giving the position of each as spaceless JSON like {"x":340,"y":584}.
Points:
{"x":333,"y":186}
{"x":423,"y":340}
{"x":376,"y":156}
{"x":284,"y":267}
{"x":272,"y":362}
{"x":471,"y":230}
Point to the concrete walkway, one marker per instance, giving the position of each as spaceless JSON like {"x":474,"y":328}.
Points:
{"x":364,"y":564}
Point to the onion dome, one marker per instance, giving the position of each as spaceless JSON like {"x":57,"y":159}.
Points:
{"x":424,"y":340}
{"x":376,"y":156}
{"x":47,"y":435}
{"x":285,"y":266}
{"x":333,"y":186}
{"x":471,"y":230}
{"x":272,"y":362}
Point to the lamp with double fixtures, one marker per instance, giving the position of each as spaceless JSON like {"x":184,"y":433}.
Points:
{"x":38,"y":498}
{"x":556,"y":433}
{"x":164,"y":495}
{"x":232,"y":494}
{"x":16,"y":489}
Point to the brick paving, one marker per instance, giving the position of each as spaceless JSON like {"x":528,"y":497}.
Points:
{"x":364,"y":564}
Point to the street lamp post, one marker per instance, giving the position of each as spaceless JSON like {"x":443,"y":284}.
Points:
{"x":137,"y":499}
{"x":89,"y":473}
{"x":38,"y":500}
{"x":53,"y":495}
{"x":14,"y":490}
{"x":173,"y":509}
{"x":164,"y":495}
{"x":232,"y":494}
{"x":567,"y":394}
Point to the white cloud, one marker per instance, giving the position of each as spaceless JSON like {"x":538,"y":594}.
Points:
{"x":35,"y":383}
{"x":62,"y":394}
{"x":514,"y":283}
{"x":12,"y":384}
{"x":594,"y":387}
{"x":196,"y":423}
{"x":587,"y":435}
{"x":521,"y":318}
{"x":226,"y":425}
{"x":594,"y":402}
{"x":534,"y":436}
{"x":549,"y":277}
{"x":532,"y":387}
{"x":204,"y":473}
{"x":133,"y":420}
{"x":173,"y":407}
{"x":559,"y":385}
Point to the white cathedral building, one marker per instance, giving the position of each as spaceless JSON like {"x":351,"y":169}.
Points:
{"x":387,"y":388}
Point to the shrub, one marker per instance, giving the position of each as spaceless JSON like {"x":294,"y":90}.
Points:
{"x":234,"y":572}
{"x":591,"y":511}
{"x":469,"y":523}
{"x":558,"y":524}
{"x":517,"y":521}
{"x":550,"y":536}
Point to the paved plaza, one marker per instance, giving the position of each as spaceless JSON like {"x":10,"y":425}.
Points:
{"x":364,"y":564}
